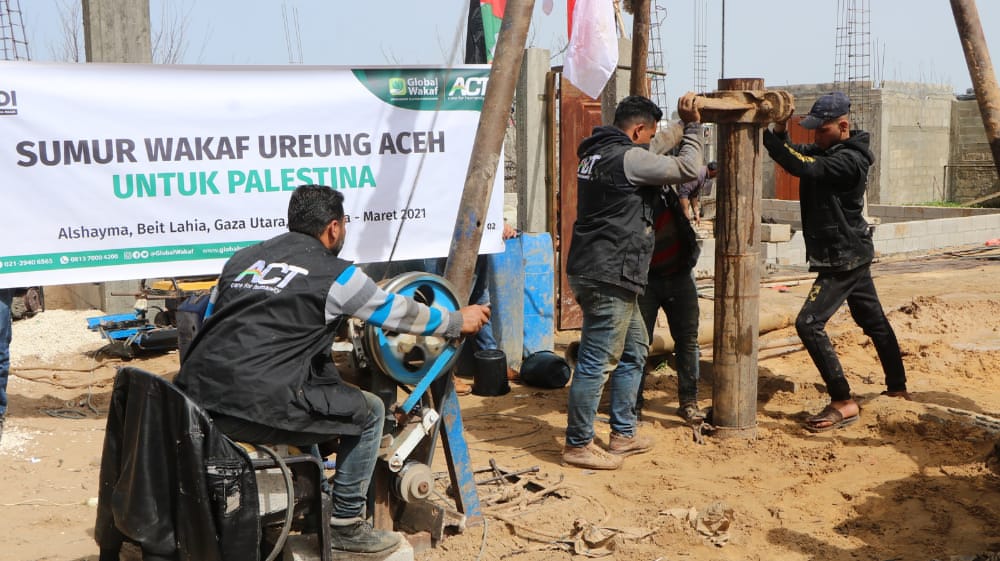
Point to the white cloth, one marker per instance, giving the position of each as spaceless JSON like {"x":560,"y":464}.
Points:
{"x":592,"y":54}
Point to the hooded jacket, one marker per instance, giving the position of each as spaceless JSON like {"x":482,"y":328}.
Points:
{"x":617,"y":184}
{"x":264,"y":355}
{"x":831,"y":198}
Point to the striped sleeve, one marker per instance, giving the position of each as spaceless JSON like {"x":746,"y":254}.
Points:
{"x":355,"y":294}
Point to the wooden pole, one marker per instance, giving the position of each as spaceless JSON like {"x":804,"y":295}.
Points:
{"x":469,"y":231}
{"x":737,"y":272}
{"x":638,"y":84}
{"x":486,"y":147}
{"x":984,"y":79}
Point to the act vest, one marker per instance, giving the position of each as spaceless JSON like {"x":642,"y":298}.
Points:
{"x":613,"y":234}
{"x":264,"y":354}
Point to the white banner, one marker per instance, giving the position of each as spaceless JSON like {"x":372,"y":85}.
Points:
{"x":111,"y":172}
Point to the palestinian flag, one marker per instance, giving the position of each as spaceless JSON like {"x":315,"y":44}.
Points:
{"x":485,"y":17}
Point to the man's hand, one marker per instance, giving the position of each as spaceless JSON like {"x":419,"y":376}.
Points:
{"x":473,"y":318}
{"x":687,"y":108}
{"x":508,"y":230}
{"x":781,"y":126}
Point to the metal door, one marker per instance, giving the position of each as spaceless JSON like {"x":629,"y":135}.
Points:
{"x":578,"y":115}
{"x":786,"y":185}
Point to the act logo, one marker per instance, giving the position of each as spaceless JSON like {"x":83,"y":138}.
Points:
{"x":468,"y":87}
{"x":277,"y":275}
{"x":397,"y":86}
{"x":8,"y":102}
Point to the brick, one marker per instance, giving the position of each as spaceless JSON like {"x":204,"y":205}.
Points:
{"x":775,"y":232}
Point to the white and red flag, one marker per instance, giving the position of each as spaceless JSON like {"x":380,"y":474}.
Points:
{"x":592,"y":54}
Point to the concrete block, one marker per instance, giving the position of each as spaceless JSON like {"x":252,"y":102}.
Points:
{"x":798,"y":241}
{"x":917,"y":229}
{"x":775,"y":232}
{"x":769,"y":252}
{"x":893,"y":245}
{"x":706,"y":261}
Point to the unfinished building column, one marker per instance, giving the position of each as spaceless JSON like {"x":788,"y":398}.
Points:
{"x":741,"y":108}
{"x":117,"y":31}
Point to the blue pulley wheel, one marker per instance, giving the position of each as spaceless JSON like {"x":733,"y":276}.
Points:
{"x":404,"y":357}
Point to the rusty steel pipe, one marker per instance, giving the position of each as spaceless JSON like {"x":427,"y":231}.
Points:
{"x":984,"y":80}
{"x":486,"y":147}
{"x":737,"y":262}
{"x":749,"y":106}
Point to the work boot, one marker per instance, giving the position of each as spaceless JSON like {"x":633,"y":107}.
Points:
{"x":358,"y":536}
{"x":621,"y":445}
{"x":590,"y":456}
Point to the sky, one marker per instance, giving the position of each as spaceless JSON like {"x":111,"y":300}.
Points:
{"x":782,"y":41}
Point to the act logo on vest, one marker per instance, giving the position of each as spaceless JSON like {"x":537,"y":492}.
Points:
{"x":268,"y":276}
{"x":585,"y":169}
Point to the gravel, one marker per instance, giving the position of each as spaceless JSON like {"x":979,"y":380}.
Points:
{"x":53,"y":333}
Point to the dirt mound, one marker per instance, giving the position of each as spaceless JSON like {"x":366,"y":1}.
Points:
{"x":916,"y":480}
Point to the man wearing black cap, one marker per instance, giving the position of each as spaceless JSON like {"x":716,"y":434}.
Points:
{"x":833,"y":174}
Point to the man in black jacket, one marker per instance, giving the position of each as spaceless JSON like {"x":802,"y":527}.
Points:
{"x":833,"y":173}
{"x":261,"y":364}
{"x":671,"y":287}
{"x":617,"y":179}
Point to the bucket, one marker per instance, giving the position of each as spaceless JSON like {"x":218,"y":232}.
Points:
{"x":545,"y":369}
{"x":491,"y":373}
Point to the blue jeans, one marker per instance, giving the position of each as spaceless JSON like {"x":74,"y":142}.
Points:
{"x":678,"y":296}
{"x":356,"y":455}
{"x":6,"y":296}
{"x":613,"y":344}
{"x":480,"y":295}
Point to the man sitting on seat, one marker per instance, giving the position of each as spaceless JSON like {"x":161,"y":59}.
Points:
{"x":261,"y":364}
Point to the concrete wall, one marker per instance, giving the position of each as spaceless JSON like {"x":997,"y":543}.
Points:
{"x":970,"y":173}
{"x":787,"y":212}
{"x":532,"y":131}
{"x":914,"y":147}
{"x":910,"y":136}
{"x":903,"y":229}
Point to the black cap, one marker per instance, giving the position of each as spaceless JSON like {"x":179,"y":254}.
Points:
{"x":829,"y":106}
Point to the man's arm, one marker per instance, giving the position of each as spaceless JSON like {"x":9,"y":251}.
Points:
{"x":355,"y":294}
{"x":840,"y":165}
{"x":645,"y":168}
{"x":686,"y":207}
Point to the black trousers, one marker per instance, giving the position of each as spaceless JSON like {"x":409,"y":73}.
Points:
{"x":828,"y":293}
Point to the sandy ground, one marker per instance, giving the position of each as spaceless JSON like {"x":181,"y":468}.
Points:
{"x":907,"y":482}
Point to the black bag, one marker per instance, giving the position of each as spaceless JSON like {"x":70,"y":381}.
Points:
{"x":545,"y":369}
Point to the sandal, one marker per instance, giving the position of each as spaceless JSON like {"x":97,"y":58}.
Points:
{"x":461,"y":388}
{"x":830,"y":415}
{"x":903,"y":394}
{"x":690,"y":413}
